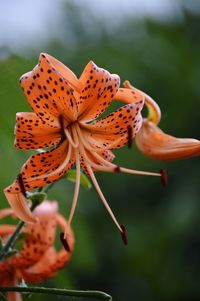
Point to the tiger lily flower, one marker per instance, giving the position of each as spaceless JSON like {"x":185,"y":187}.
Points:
{"x":64,"y":120}
{"x":153,"y":142}
{"x":37,"y":260}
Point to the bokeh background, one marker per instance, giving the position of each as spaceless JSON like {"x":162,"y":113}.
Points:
{"x":156,"y":45}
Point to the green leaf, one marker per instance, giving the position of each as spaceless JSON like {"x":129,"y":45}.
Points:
{"x":36,"y":198}
{"x":85,"y":182}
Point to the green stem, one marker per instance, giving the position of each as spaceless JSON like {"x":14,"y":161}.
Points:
{"x":60,"y":292}
{"x":11,"y":241}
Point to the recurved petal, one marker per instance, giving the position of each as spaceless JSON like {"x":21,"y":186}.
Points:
{"x":6,"y":230}
{"x":39,"y":236}
{"x":19,"y":203}
{"x":153,"y":142}
{"x":117,"y":128}
{"x":41,"y":269}
{"x":32,"y":133}
{"x":46,"y":167}
{"x":99,"y":88}
{"x":5,"y":212}
{"x":51,"y":261}
{"x":129,"y":96}
{"x":49,"y":93}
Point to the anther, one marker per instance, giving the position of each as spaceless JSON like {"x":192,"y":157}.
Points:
{"x":117,"y":168}
{"x":21,"y":184}
{"x":130,"y":136}
{"x":64,"y":242}
{"x":164,"y":177}
{"x":124,"y":235}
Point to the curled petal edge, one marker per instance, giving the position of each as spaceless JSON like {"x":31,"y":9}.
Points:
{"x":19,"y":204}
{"x":154,"y":143}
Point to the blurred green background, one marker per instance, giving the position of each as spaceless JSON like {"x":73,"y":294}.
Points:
{"x":157,"y":47}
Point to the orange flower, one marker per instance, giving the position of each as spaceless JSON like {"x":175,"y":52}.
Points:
{"x":38,"y":259}
{"x":64,"y":120}
{"x":153,"y":142}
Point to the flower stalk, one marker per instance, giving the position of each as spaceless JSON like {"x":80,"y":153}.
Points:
{"x":11,"y":241}
{"x":59,"y":292}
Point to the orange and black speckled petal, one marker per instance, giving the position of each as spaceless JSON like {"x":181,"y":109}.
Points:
{"x":46,"y":166}
{"x":99,"y":88}
{"x":113,"y":131}
{"x":48,"y":93}
{"x":51,"y":261}
{"x":39,"y":238}
{"x":32,"y":133}
{"x":129,"y":96}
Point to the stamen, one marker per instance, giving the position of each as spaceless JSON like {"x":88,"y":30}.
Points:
{"x":112,"y":167}
{"x":84,"y":141}
{"x":76,"y":191}
{"x":57,"y":170}
{"x":98,"y":189}
{"x":124,"y":235}
{"x":21,"y":184}
{"x":117,"y":168}
{"x":139,"y":172}
{"x":164,"y":177}
{"x":64,"y":242}
{"x":73,"y":143}
{"x":130,"y":136}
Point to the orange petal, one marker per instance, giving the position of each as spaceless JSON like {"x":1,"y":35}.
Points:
{"x":52,"y":261}
{"x":40,"y":270}
{"x":39,"y":237}
{"x":65,"y":72}
{"x":6,"y":230}
{"x":18,"y":202}
{"x":153,"y":142}
{"x":32,"y":133}
{"x":112,"y":131}
{"x":129,"y":96}
{"x":5,"y":212}
{"x":46,"y":167}
{"x":48,"y":93}
{"x":46,"y":208}
{"x":99,"y":88}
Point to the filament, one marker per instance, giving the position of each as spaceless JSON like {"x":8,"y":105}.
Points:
{"x":76,"y":190}
{"x":98,"y":189}
{"x":74,"y":144}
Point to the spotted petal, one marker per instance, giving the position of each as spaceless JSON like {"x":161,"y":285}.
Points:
{"x":52,"y":261}
{"x":114,"y":130}
{"x":99,"y":89}
{"x":49,"y":93}
{"x":39,"y":238}
{"x":129,"y":96}
{"x":32,"y":133}
{"x":46,"y":167}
